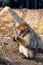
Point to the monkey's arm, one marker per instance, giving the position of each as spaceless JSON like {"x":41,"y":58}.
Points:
{"x":21,"y":41}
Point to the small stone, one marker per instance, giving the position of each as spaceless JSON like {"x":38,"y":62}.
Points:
{"x":39,"y":63}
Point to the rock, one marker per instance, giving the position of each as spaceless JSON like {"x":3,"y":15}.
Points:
{"x":33,"y":17}
{"x":35,"y":20}
{"x":8,"y":20}
{"x":6,"y":23}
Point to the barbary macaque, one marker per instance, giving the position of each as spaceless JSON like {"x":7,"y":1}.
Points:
{"x":26,"y":40}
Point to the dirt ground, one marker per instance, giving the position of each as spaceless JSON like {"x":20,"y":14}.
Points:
{"x":13,"y":57}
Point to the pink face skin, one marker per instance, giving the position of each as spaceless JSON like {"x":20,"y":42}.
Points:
{"x":18,"y":32}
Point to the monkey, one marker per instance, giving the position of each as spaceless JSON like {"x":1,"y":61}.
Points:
{"x":26,"y":40}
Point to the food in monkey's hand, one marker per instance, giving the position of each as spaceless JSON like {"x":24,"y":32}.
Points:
{"x":25,"y":41}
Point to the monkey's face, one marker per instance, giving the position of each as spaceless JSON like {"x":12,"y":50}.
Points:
{"x":21,"y":28}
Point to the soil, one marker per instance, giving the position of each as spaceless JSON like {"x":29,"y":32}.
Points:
{"x":11,"y":56}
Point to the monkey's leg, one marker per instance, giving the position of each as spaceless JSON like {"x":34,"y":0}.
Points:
{"x":20,"y":48}
{"x":26,"y":52}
